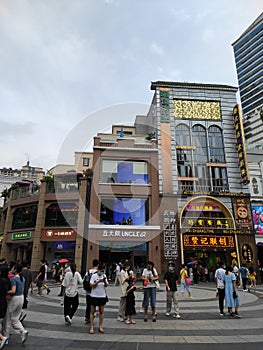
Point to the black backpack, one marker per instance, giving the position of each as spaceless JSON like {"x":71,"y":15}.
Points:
{"x":86,"y":282}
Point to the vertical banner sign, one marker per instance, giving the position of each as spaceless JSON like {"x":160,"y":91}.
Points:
{"x":242,"y":213}
{"x":241,"y":148}
{"x":170,"y":235}
{"x":164,"y":102}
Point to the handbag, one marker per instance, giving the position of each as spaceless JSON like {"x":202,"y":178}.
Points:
{"x":187,"y":280}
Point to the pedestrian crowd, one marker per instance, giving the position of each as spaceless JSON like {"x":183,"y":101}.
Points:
{"x":16,"y":280}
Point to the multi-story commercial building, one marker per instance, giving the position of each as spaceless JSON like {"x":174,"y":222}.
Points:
{"x":9,"y":176}
{"x":248,"y":51}
{"x":172,"y":187}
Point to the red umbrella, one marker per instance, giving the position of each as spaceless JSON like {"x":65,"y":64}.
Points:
{"x":61,"y":261}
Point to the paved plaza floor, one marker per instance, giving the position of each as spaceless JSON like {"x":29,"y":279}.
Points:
{"x":200,"y":327}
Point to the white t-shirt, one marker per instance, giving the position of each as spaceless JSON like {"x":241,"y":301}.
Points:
{"x":149,"y":273}
{"x":219,"y":275}
{"x":99,"y":290}
{"x":118,"y":270}
{"x":71,"y":282}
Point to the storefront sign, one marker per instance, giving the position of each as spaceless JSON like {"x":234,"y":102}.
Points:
{"x":21,"y":235}
{"x":247,"y":253}
{"x":58,"y":234}
{"x":208,"y":241}
{"x":124,"y":233}
{"x":241,"y":148}
{"x":229,"y":231}
{"x":64,"y":245}
{"x":242,"y":213}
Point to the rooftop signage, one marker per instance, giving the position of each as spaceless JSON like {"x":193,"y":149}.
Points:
{"x":192,"y":109}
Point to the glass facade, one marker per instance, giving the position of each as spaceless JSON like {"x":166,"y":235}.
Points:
{"x":62,"y":215}
{"x":119,"y":171}
{"x":198,"y":152}
{"x":124,"y":211}
{"x":248,"y":51}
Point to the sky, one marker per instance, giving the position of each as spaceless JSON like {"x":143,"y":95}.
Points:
{"x":87,"y":64}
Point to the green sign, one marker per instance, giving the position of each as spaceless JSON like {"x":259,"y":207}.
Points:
{"x":21,"y":235}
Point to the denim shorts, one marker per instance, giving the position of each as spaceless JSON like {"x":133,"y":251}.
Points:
{"x":149,"y":294}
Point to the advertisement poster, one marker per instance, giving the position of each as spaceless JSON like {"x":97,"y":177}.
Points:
{"x":257,"y":214}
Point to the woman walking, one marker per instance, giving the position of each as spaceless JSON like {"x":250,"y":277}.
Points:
{"x":71,"y":298}
{"x":231,"y":298}
{"x":98,"y":296}
{"x":130,"y":299}
{"x":15,"y":305}
{"x":184,"y":286}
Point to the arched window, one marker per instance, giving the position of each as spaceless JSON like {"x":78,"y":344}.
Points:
{"x":182,"y":135}
{"x":216,"y":147}
{"x":200,"y":157}
{"x":200,"y":142}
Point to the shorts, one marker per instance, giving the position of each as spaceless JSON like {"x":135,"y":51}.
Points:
{"x":39,"y":283}
{"x":149,"y":296}
{"x":98,"y":301}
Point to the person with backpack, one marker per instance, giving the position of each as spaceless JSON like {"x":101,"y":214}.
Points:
{"x":71,"y":297}
{"x":87,"y":287}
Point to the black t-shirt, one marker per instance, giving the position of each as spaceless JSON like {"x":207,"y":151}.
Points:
{"x":42,"y":270}
{"x":171,"y":278}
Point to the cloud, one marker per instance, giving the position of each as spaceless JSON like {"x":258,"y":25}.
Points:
{"x":157,"y":49}
{"x":181,"y":14}
{"x":15,"y":130}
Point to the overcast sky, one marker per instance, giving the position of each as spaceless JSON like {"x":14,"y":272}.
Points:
{"x":63,"y":62}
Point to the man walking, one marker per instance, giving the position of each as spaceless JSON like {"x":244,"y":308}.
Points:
{"x":219,"y":278}
{"x":171,"y":279}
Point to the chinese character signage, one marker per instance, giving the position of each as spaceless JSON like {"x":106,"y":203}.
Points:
{"x":164,"y":103}
{"x":65,"y":234}
{"x":170,"y":235}
{"x":241,"y":148}
{"x":208,"y":241}
{"x":242,"y":213}
{"x":202,"y":110}
{"x":21,"y":235}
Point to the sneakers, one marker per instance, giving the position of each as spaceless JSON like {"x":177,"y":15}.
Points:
{"x":120,"y":319}
{"x":237,"y":315}
{"x":222,"y":314}
{"x":3,"y":342}
{"x":68,"y":319}
{"x":24,"y":336}
{"x":167,"y":314}
{"x":48,"y":291}
{"x":176,"y":316}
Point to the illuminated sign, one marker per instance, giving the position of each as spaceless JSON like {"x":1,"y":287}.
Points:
{"x":21,"y":235}
{"x":124,"y":233}
{"x":209,"y":241}
{"x":58,"y":234}
{"x":257,"y":214}
{"x":241,"y":148}
{"x":194,"y":206}
{"x":190,"y":109}
{"x":164,"y":97}
{"x":223,"y":231}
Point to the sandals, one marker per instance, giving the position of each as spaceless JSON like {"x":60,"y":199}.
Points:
{"x":91,"y":331}
{"x":128,"y":322}
{"x":101,"y":330}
